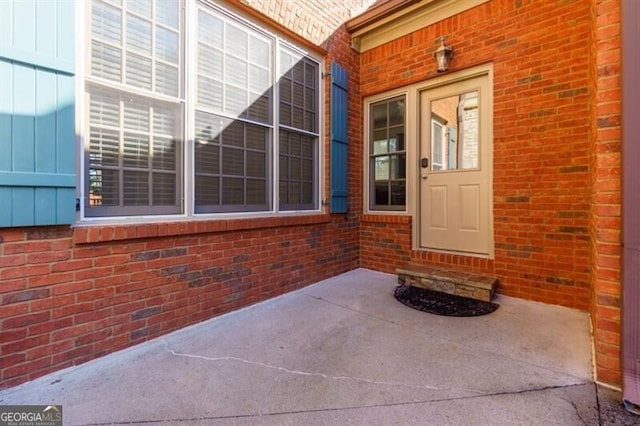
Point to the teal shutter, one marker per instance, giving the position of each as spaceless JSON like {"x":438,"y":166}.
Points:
{"x":37,"y":128}
{"x":339,"y":139}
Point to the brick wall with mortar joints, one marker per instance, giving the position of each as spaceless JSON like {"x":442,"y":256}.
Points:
{"x":557,"y":148}
{"x":540,"y":54}
{"x":69,"y":296}
{"x":387,"y":240}
{"x":315,"y":20}
{"x":605,"y":214}
{"x":64,"y":302}
{"x":386,"y":245}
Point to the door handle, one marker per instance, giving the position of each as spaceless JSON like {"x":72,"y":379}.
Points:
{"x":424,"y":163}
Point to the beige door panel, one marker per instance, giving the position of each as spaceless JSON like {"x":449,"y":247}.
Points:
{"x":455,"y":187}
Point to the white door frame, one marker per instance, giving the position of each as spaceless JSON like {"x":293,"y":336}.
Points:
{"x":412,"y":127}
{"x":487,"y":159}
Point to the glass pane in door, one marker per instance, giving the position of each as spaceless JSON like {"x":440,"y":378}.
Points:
{"x":455,"y":132}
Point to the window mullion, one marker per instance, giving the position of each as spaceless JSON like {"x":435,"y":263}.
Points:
{"x":190,"y":69}
{"x":121,"y":154}
{"x":150,"y":156}
{"x":275,"y":132}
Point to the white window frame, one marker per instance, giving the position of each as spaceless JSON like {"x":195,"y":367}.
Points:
{"x":369,"y":198}
{"x":370,"y":157}
{"x":189,"y":99}
{"x":412,"y":128}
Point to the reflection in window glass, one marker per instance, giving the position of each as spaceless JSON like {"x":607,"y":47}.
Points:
{"x":298,"y":111}
{"x":136,"y":166}
{"x":296,"y":169}
{"x":396,"y":113}
{"x":387,"y":156}
{"x":230,"y":164}
{"x":380,"y":146}
{"x":469,"y":130}
{"x":437,"y":139}
{"x":241,"y":154}
{"x":455,"y":132}
{"x":134,"y":146}
{"x":381,"y":170}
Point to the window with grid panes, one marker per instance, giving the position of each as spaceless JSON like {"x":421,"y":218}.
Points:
{"x":298,"y":131}
{"x":135,"y":108}
{"x":387,"y":155}
{"x":233,"y":122}
{"x":136,"y":97}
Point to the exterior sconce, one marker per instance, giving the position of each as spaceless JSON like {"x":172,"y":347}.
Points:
{"x":443,"y":55}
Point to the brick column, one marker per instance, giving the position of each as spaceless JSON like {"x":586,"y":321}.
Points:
{"x":605,"y":189}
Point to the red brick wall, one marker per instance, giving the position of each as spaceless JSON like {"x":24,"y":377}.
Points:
{"x":68,"y":296}
{"x":385,"y":244}
{"x":71,"y":295}
{"x":556,"y":152}
{"x":605,"y":190}
{"x":540,"y":53}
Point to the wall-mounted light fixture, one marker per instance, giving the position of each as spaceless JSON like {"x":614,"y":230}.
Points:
{"x":443,"y":55}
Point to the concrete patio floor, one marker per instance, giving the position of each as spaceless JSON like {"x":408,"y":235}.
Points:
{"x":345,"y":351}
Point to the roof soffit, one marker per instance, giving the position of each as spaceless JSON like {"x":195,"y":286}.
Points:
{"x":396,"y":18}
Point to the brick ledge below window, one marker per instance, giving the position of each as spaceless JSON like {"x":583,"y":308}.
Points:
{"x":96,"y":233}
{"x":385,"y":218}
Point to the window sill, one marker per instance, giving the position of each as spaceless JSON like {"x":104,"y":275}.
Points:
{"x":97,"y":233}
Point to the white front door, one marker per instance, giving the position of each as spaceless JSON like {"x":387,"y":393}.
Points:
{"x":454,"y":170}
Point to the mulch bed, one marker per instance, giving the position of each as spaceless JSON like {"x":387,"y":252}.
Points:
{"x":435,"y":302}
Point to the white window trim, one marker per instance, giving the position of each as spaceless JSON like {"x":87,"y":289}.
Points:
{"x":82,"y":9}
{"x":409,"y":147}
{"x":412,"y":126}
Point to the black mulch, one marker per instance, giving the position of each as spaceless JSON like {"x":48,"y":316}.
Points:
{"x":435,"y":302}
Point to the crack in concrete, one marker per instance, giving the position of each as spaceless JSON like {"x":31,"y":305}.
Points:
{"x":308,"y":373}
{"x":347,"y":408}
{"x":577,"y":410}
{"x":599,"y":408}
{"x":469,"y":348}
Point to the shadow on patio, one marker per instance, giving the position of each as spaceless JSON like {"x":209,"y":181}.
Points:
{"x":343,"y":350}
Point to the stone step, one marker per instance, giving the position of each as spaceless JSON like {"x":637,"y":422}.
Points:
{"x":473,"y":286}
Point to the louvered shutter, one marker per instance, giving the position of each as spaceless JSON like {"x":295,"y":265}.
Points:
{"x":339,"y":139}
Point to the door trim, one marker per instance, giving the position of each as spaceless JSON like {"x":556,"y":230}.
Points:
{"x":485,"y":70}
{"x":412,"y":96}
